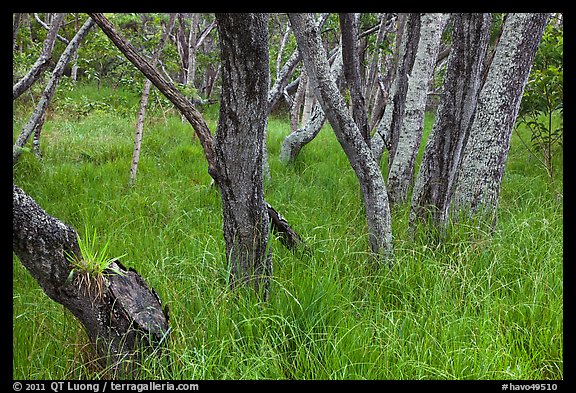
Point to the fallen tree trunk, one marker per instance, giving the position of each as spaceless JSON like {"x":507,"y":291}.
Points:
{"x":121,"y":314}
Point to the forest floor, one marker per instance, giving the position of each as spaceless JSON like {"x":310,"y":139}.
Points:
{"x":472,"y":306}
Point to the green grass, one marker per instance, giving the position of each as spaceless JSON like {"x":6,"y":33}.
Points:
{"x":474,"y":307}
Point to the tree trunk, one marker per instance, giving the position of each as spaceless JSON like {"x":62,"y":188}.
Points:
{"x":359,"y":155}
{"x":282,"y":79}
{"x":433,"y":188}
{"x":37,"y":118}
{"x":308,"y":105}
{"x":240,"y":146}
{"x":298,"y":101}
{"x":144,"y":103}
{"x":191,"y":71}
{"x":23,"y":84}
{"x":351,"y":66}
{"x":401,"y":170}
{"x":295,"y":141}
{"x":119,"y":311}
{"x":484,"y":157}
{"x":218,"y":170}
{"x":387,"y":132}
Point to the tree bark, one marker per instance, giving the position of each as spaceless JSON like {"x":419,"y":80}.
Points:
{"x":401,"y":170}
{"x":351,"y":66}
{"x":484,"y":157}
{"x":434,"y":183}
{"x":40,"y":65}
{"x":37,"y":118}
{"x":298,"y":101}
{"x":386,"y":135}
{"x":240,"y":147}
{"x":359,"y":155}
{"x":282,"y":79}
{"x":120,"y":313}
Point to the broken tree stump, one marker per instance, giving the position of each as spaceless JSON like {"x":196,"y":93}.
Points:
{"x":122,"y":318}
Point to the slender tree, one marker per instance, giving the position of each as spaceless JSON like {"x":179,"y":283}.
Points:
{"x":144,"y":103}
{"x":40,"y":65}
{"x":478,"y":181}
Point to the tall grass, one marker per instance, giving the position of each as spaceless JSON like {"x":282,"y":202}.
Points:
{"x":475,"y":306}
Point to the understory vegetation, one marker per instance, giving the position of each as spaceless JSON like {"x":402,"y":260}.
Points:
{"x":476,"y":305}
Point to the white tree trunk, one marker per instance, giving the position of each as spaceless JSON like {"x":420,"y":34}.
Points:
{"x":359,"y":154}
{"x":401,"y":170}
{"x":144,"y":103}
{"x":294,"y":142}
{"x":480,"y":174}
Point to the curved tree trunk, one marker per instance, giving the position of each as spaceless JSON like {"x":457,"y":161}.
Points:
{"x":434,"y":183}
{"x":484,"y":157}
{"x":120,"y":313}
{"x":295,"y":141}
{"x":359,"y":154}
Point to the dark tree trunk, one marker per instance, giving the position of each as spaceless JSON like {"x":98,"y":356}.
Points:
{"x":433,"y":188}
{"x":120,"y":313}
{"x":480,"y":174}
{"x":217,"y":169}
{"x":240,"y":146}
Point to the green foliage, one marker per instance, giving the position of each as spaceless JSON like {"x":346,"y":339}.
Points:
{"x":542,"y":107}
